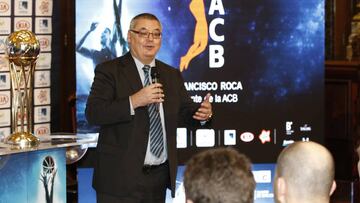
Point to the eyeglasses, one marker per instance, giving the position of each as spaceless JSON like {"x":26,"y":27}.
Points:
{"x":146,"y":34}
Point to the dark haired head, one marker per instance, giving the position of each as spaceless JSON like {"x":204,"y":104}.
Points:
{"x":219,"y":175}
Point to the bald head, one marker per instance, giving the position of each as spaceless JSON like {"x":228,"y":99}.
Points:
{"x":307,"y":171}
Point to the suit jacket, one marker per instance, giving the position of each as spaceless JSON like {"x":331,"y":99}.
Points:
{"x":123,"y":137}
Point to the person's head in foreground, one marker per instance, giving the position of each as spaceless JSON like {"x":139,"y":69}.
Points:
{"x":219,"y":176}
{"x":304,"y":173}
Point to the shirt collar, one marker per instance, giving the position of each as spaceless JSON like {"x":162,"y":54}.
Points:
{"x":140,"y":65}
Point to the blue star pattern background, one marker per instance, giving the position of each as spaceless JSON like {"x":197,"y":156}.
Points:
{"x":294,"y":53}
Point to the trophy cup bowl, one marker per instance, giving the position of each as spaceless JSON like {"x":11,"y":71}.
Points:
{"x":22,"y":49}
{"x":75,"y":153}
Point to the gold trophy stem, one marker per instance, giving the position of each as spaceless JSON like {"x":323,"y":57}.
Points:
{"x":22,"y":106}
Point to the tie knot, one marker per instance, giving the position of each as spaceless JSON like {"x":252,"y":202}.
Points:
{"x":146,"y":69}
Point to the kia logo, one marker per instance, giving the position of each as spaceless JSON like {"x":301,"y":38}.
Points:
{"x":22,"y":25}
{"x":44,"y":42}
{"x":42,"y":131}
{"x":4,"y":99}
{"x":247,"y":137}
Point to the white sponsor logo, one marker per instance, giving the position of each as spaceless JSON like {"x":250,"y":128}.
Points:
{"x":23,"y":23}
{"x":42,"y":129}
{"x":181,"y":137}
{"x":5,"y":117}
{"x":43,"y":25}
{"x":229,"y":137}
{"x":23,"y":8}
{"x":4,"y":99}
{"x":247,"y":137}
{"x":305,"y":128}
{"x":44,"y":7}
{"x":205,"y":138}
{"x":44,"y":61}
{"x":4,"y":133}
{"x":41,"y":114}
{"x":262,"y":176}
{"x":4,"y":80}
{"x":2,"y":43}
{"x":265,"y":136}
{"x":45,"y":42}
{"x":42,"y":78}
{"x":42,"y":96}
{"x":288,"y":127}
{"x":287,"y":142}
{"x":263,"y":194}
{"x":4,"y":7}
{"x":5,"y":25}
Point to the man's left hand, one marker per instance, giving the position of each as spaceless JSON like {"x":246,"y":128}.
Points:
{"x":204,"y":113}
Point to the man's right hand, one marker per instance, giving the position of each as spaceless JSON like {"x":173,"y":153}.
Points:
{"x":148,"y":95}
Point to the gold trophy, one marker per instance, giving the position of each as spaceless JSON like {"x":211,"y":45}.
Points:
{"x":22,"y":49}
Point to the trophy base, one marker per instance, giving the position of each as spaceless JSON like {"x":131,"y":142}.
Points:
{"x":23,"y":140}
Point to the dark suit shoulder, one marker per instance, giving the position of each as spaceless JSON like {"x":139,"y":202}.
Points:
{"x":163,"y":64}
{"x":115,"y":63}
{"x":166,"y":67}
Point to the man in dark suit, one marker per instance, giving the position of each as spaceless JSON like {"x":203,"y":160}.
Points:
{"x":128,"y":168}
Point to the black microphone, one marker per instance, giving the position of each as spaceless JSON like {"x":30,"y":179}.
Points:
{"x":155,"y":76}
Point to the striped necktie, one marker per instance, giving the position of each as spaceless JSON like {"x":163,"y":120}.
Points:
{"x":156,"y":131}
